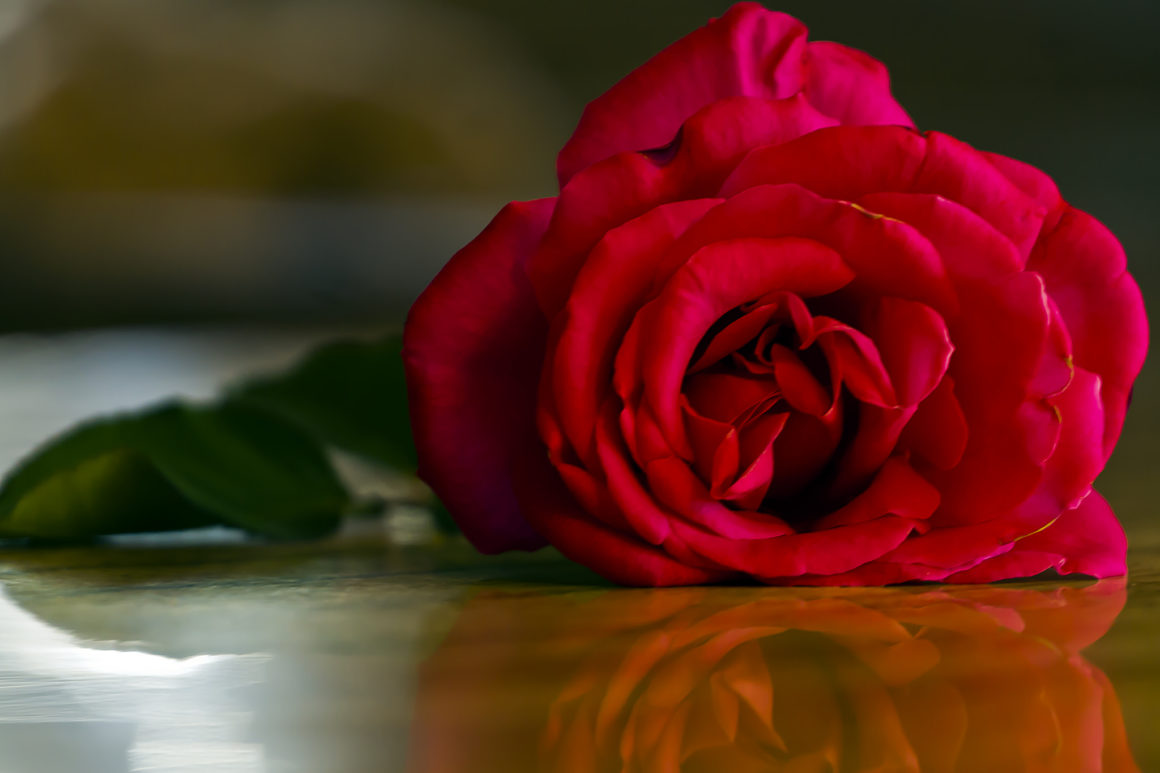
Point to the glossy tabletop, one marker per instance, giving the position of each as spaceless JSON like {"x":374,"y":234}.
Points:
{"x":359,"y":654}
{"x":388,"y":648}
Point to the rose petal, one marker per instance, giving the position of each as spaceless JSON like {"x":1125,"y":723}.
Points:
{"x":639,"y":508}
{"x":874,"y":440}
{"x":855,"y":362}
{"x":956,"y":171}
{"x":676,"y":487}
{"x":757,"y":440}
{"x":803,"y":449}
{"x":593,"y":203}
{"x":620,"y":558}
{"x":1078,"y":456}
{"x":914,"y":344}
{"x":1085,"y":540}
{"x":897,"y":490}
{"x":780,"y":559}
{"x":1067,"y":476}
{"x":849,"y":162}
{"x":591,"y":494}
{"x":1009,"y":439}
{"x":970,"y":247}
{"x":628,"y":184}
{"x":707,"y":435}
{"x":1083,"y":266}
{"x":717,"y":137}
{"x":717,"y":278}
{"x":882,"y":572}
{"x":798,"y":385}
{"x":843,"y":162}
{"x":726,"y":396}
{"x":747,"y":52}
{"x":471,"y":349}
{"x":1030,"y":180}
{"x":735,"y":335}
{"x":851,"y":86}
{"x":1056,"y":363}
{"x":888,"y":257}
{"x":938,"y":430}
{"x":608,"y":292}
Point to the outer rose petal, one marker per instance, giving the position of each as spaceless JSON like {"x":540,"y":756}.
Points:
{"x":1077,"y":458}
{"x":1085,"y":540}
{"x":621,"y":187}
{"x":1067,"y":478}
{"x":1083,"y":266}
{"x":838,"y":163}
{"x":889,"y":257}
{"x":621,"y":558}
{"x":851,"y":86}
{"x":1009,"y":438}
{"x":747,"y":52}
{"x":955,"y":170}
{"x":834,"y":162}
{"x":970,"y":247}
{"x":609,"y":289}
{"x":780,"y":560}
{"x":471,"y":349}
{"x":1030,"y":180}
{"x":1068,"y":475}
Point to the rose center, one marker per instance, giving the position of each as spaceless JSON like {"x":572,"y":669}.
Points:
{"x":764,"y":412}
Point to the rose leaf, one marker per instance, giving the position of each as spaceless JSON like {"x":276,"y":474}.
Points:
{"x":349,"y":394}
{"x":174,"y":466}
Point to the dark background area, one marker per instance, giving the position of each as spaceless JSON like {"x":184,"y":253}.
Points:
{"x":315,"y":161}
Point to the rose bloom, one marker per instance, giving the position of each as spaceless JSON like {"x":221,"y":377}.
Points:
{"x":965,"y":679}
{"x":768,"y":330}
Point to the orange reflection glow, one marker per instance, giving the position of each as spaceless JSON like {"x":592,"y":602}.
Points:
{"x":740,"y":680}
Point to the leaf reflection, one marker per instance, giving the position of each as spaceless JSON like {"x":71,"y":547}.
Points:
{"x":739,"y":680}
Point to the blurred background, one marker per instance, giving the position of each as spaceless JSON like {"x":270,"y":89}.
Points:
{"x":313,"y":162}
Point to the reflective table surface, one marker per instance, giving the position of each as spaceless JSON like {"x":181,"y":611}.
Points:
{"x":361,"y":655}
{"x":387,"y":648}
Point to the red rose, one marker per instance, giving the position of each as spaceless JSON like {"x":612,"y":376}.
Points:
{"x":757,"y":336}
{"x":964,"y":679}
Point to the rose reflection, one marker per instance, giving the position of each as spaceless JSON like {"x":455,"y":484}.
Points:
{"x":737,"y":680}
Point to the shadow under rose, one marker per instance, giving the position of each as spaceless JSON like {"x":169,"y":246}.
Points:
{"x":738,"y":680}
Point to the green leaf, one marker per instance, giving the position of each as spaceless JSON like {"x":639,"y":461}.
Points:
{"x":174,"y":467}
{"x":349,"y":394}
{"x":251,"y":469}
{"x":88,"y":483}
